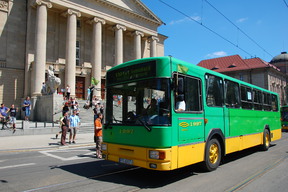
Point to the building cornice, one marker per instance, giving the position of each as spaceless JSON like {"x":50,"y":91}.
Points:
{"x":123,"y":9}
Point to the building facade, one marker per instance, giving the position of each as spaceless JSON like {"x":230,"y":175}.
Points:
{"x":254,"y":71}
{"x":81,"y":39}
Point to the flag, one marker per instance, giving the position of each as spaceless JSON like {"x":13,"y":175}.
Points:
{"x":94,"y":81}
{"x":182,"y":69}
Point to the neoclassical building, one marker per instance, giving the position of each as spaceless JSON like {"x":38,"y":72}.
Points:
{"x":81,"y":39}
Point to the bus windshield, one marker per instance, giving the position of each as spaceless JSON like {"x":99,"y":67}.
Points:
{"x":284,"y":113}
{"x":139,"y":103}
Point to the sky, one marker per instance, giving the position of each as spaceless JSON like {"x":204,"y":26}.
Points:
{"x":206,"y":29}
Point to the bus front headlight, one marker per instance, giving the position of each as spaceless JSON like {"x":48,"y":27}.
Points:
{"x":157,"y":155}
{"x":104,"y":147}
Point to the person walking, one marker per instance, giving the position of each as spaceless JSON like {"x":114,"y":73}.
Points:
{"x":27,"y":105}
{"x":74,"y":126}
{"x":68,"y":91}
{"x":13,"y":110}
{"x":73,"y":105}
{"x":64,"y":127}
{"x":98,"y":135}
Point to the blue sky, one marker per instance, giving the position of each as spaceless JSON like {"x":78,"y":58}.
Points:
{"x":264,"y":21}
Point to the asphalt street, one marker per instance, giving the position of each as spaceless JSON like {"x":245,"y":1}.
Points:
{"x":75,"y":168}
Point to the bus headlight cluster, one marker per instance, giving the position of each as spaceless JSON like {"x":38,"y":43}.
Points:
{"x":157,"y":155}
{"x":104,"y":147}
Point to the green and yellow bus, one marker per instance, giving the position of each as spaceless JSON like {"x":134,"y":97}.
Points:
{"x":284,"y":117}
{"x":163,"y":113}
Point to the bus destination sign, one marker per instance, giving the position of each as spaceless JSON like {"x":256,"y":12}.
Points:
{"x":133,"y":72}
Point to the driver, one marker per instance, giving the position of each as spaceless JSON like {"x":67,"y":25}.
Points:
{"x":152,"y":108}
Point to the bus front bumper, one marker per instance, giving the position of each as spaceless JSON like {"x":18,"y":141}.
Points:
{"x":138,"y":156}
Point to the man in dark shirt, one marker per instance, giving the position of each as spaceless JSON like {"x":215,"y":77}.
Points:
{"x":13,"y":111}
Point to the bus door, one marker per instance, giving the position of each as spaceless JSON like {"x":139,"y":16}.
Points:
{"x":189,"y":109}
{"x":214,"y":112}
{"x":189,"y":119}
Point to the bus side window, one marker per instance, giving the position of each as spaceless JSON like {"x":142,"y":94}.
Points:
{"x":267,"y":102}
{"x":232,"y":93}
{"x":246,"y":97}
{"x":214,"y":91}
{"x":193,"y":95}
{"x":274,"y":103}
{"x":257,"y":95}
{"x":190,"y":96}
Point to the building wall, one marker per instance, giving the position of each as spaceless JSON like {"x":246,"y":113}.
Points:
{"x":12,"y":50}
{"x":17,"y":40}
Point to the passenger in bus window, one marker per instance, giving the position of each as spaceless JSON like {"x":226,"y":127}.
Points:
{"x":180,"y":104}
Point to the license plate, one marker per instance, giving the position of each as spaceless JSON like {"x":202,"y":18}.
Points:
{"x":126,"y":161}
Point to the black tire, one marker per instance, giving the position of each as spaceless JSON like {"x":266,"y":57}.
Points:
{"x":266,"y":140}
{"x":212,"y":155}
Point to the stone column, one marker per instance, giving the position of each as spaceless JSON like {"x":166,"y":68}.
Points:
{"x":137,"y":44}
{"x":71,"y":37}
{"x":96,"y":53}
{"x":153,"y":44}
{"x":40,"y":46}
{"x":119,"y":43}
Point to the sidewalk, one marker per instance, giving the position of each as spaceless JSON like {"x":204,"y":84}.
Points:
{"x":42,"y":142}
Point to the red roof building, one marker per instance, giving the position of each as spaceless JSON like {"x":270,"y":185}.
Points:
{"x":254,"y":71}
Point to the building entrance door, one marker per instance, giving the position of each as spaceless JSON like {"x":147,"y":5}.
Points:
{"x":80,"y":87}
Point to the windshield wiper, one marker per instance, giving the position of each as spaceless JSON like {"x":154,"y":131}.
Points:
{"x":145,"y":124}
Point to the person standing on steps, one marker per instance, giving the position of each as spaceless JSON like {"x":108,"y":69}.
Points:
{"x":27,"y":105}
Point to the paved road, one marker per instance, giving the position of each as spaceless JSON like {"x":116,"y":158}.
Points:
{"x":77,"y":169}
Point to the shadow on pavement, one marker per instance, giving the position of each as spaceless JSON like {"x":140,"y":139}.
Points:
{"x":112,"y":172}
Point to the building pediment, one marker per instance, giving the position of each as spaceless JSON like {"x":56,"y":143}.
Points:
{"x":134,"y":7}
{"x":133,"y":14}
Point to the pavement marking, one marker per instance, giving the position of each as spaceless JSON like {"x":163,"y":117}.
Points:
{"x":77,"y":157}
{"x":20,"y":165}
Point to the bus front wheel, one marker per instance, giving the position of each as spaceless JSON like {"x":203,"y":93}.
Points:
{"x":212,"y":155}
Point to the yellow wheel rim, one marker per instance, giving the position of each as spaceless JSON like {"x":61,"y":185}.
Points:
{"x":267,"y":140}
{"x":213,"y":153}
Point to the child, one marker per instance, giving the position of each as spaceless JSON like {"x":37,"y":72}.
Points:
{"x":98,"y":135}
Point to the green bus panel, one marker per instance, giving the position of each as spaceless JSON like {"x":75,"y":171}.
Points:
{"x":245,"y":122}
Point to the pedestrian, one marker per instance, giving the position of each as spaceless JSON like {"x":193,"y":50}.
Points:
{"x":68,"y":91}
{"x":64,"y":127}
{"x":43,"y":90}
{"x":13,"y":112}
{"x":4,"y":110}
{"x":73,"y":105}
{"x":57,"y":134}
{"x":98,"y":135}
{"x":96,"y":111}
{"x":65,"y":108}
{"x":27,"y":105}
{"x":102,"y":112}
{"x":3,"y":115}
{"x":74,"y":126}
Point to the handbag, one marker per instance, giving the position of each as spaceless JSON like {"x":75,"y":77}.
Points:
{"x":23,"y":108}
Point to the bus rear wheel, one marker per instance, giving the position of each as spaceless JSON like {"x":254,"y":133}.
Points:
{"x":266,"y":140}
{"x":212,"y":155}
